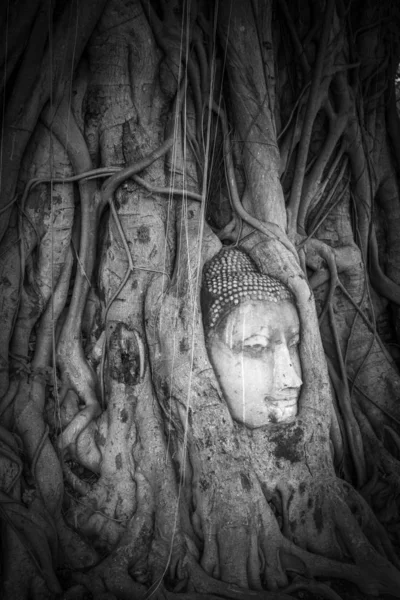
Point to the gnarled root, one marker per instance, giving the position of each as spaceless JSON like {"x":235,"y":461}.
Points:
{"x":31,"y":542}
{"x":124,"y":573}
{"x":103,"y":514}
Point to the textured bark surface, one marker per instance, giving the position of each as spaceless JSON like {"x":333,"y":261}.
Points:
{"x":138,"y":138}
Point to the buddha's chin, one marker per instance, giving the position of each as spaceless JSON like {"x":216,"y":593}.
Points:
{"x":274,"y":411}
{"x":281,"y":409}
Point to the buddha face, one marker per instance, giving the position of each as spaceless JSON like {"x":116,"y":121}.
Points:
{"x":254,"y":352}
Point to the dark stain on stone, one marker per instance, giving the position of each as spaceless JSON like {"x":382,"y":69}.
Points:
{"x":5,"y":282}
{"x":124,"y":361}
{"x":204,"y":484}
{"x":124,"y":198}
{"x":123,"y":415}
{"x":208,"y":442}
{"x":246,"y":483}
{"x":318,"y":517}
{"x":310,"y":503}
{"x":183,"y":346}
{"x":143,"y":234}
{"x":293,"y":525}
{"x":287,"y":444}
{"x":118,"y":461}
{"x":56,"y":199}
{"x":302,"y":488}
{"x":130,"y":369}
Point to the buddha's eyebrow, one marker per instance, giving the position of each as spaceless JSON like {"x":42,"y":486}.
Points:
{"x":256,"y":334}
{"x":265,"y":333}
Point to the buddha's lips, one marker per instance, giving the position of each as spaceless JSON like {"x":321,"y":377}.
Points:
{"x":288,"y":400}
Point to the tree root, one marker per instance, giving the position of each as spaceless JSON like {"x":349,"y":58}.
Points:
{"x":372,"y":573}
{"x":322,"y":590}
{"x":124,"y":572}
{"x":381,"y":282}
{"x":205,"y":584}
{"x":313,"y":105}
{"x":271,"y":230}
{"x":38,"y":539}
{"x":9,"y":450}
{"x":112,"y":500}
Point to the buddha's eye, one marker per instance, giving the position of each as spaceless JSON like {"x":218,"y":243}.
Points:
{"x":256,"y":343}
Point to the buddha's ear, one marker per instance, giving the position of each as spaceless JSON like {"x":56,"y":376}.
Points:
{"x":206,"y":300}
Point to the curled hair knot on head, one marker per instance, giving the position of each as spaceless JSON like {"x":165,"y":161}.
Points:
{"x":232,"y":277}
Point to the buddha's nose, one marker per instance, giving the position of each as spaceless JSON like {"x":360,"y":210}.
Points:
{"x":286,"y":375}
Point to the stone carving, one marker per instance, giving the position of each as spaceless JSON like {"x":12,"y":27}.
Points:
{"x":252,"y":334}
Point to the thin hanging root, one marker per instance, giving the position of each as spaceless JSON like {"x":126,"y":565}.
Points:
{"x":203,"y":62}
{"x":197,"y":95}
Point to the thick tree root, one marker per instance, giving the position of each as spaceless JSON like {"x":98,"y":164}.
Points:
{"x":373,"y":576}
{"x":32,"y":547}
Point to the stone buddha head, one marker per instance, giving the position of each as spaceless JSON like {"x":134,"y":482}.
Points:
{"x":252,"y":335}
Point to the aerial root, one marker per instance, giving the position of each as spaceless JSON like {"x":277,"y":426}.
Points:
{"x":315,"y":587}
{"x":8,"y":398}
{"x":371,"y":527}
{"x":9,"y":449}
{"x":205,"y":584}
{"x":372,"y":574}
{"x":36,"y":535}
